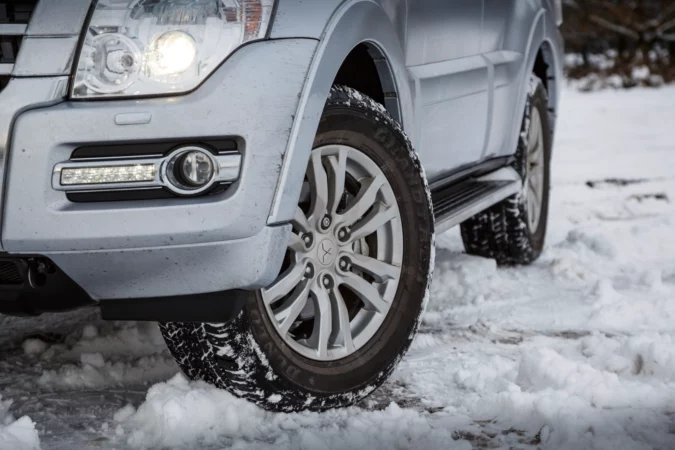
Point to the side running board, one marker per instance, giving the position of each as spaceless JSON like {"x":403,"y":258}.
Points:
{"x":458,"y":202}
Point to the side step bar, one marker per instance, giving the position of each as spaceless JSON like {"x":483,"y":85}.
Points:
{"x":458,"y":202}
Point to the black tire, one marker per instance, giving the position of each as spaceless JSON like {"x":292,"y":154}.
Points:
{"x":502,"y":232}
{"x":248,"y":357}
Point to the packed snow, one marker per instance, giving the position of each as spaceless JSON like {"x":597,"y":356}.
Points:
{"x":574,"y":352}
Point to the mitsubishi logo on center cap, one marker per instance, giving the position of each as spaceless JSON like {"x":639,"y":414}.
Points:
{"x":326,"y":252}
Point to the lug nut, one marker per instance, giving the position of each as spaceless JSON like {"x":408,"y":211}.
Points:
{"x":309,"y":271}
{"x":327,"y":281}
{"x":326,"y":222}
{"x":342,"y":235}
{"x":307,"y":239}
{"x":344,"y":264}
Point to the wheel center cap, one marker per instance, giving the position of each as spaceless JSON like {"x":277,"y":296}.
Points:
{"x":327,"y":252}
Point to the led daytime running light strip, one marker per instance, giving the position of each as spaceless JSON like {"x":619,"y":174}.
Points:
{"x":105,"y":175}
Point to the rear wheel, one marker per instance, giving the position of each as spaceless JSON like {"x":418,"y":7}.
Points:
{"x":347,"y":304}
{"x":514,"y":230}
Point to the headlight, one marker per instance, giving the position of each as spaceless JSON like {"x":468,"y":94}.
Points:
{"x":155,"y":47}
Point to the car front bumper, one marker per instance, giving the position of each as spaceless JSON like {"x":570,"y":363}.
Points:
{"x":166,"y":247}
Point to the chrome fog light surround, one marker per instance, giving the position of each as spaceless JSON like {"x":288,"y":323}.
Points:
{"x":129,"y":173}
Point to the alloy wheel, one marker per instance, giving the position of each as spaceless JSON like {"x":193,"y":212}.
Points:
{"x":344,"y":257}
{"x":534,"y":182}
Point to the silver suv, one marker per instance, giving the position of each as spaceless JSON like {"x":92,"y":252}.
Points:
{"x":265,"y":178}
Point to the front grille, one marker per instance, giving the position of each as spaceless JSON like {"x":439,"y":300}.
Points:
{"x":9,"y":273}
{"x":14,"y":18}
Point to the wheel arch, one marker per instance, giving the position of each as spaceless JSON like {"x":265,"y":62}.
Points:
{"x":367,"y":69}
{"x":355,"y":25}
{"x":543,"y":58}
{"x":546,"y":67}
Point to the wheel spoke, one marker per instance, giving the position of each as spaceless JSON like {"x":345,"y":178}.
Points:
{"x":531,"y":198}
{"x":365,"y":199}
{"x":285,"y":283}
{"x":300,"y":222}
{"x":372,"y":299}
{"x":379,"y":270}
{"x":336,"y":186}
{"x":341,"y":323}
{"x":376,"y":218}
{"x":292,"y":308}
{"x":538,"y":177}
{"x":534,"y":189}
{"x":535,"y":132}
{"x":318,"y":181}
{"x":532,"y":210}
{"x":531,"y":147}
{"x":323,"y":322}
{"x":535,"y":153}
{"x":296,"y":244}
{"x":531,"y":183}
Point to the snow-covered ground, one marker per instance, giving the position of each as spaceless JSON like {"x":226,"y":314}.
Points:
{"x":577,"y":351}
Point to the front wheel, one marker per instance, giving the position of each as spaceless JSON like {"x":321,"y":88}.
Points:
{"x":347,"y":304}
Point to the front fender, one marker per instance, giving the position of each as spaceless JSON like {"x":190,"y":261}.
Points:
{"x":544,"y":35}
{"x":354,"y":22}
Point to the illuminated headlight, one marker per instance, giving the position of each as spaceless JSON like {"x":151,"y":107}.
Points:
{"x":155,"y":47}
{"x":107,"y":175}
{"x":172,"y":53}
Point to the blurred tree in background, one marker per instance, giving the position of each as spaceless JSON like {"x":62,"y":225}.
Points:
{"x":621,"y":43}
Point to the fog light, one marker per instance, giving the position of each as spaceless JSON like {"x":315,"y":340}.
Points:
{"x":196,"y":168}
{"x":108,"y":174}
{"x":190,"y":170}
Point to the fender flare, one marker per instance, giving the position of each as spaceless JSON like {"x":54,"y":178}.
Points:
{"x":354,"y":23}
{"x":539,"y":38}
{"x":536,"y":37}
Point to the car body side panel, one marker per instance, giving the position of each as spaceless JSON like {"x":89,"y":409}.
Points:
{"x":444,"y":56}
{"x":504,"y":45}
{"x":453,"y":107}
{"x":457,"y":111}
{"x":442,"y":30}
{"x":505,"y":68}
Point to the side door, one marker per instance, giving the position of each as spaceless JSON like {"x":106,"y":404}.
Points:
{"x":443,"y":56}
{"x":506,"y":28}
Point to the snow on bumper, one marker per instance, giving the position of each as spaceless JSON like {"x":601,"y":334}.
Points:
{"x":171,"y":246}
